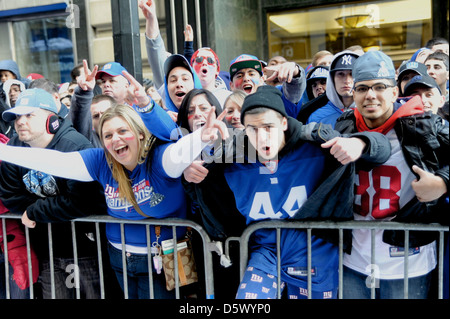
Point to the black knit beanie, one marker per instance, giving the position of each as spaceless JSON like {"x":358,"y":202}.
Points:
{"x":266,"y":96}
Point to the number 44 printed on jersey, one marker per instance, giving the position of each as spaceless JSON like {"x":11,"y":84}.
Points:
{"x":377,"y":192}
{"x":262,"y":207}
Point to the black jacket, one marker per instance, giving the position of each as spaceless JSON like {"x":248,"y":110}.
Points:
{"x":424,"y":140}
{"x":311,"y":106}
{"x":328,"y":202}
{"x":56,"y":199}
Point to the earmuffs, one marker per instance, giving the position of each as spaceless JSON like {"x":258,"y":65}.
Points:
{"x":53,"y":124}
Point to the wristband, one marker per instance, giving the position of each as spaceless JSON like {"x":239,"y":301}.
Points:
{"x":146,"y":109}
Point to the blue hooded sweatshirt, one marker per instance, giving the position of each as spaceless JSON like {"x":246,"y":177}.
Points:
{"x":165,"y":93}
{"x":10,"y":65}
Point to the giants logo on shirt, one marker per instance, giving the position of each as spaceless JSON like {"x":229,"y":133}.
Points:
{"x":142,"y":191}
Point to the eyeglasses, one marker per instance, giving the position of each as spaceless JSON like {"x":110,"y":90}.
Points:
{"x":199,"y":59}
{"x":377,"y":88}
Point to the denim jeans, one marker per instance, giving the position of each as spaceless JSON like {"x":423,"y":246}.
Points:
{"x":65,"y":275}
{"x":137,"y":276}
{"x":14,"y":291}
{"x":355,"y":287}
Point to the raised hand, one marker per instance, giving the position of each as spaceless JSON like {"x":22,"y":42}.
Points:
{"x":86,"y":81}
{"x":149,"y":11}
{"x":136,"y":92}
{"x":283,"y":72}
{"x":213,"y":126}
{"x":188,"y":33}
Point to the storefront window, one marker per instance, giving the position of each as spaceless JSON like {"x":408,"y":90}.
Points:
{"x":398,"y":28}
{"x":44,"y":46}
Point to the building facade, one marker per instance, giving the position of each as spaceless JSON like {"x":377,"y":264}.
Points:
{"x":51,"y":36}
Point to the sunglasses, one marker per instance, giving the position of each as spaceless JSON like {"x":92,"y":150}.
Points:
{"x":199,"y":59}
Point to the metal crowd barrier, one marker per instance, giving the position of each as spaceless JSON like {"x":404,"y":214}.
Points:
{"x":172,"y":222}
{"x":341,"y":226}
{"x":209,"y":247}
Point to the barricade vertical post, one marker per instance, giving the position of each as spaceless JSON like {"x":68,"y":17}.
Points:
{"x":341,"y":263}
{"x":51,"y":261}
{"x":208,"y":263}
{"x":5,"y":253}
{"x":372,"y":261}
{"x":406,"y":265}
{"x":149,"y":261}
{"x":309,"y":265}
{"x":100,"y":261}
{"x":441,"y":266}
{"x":175,"y":262}
{"x":124,"y":261}
{"x":278,"y":263}
{"x":75,"y":260}
{"x":30,"y":267}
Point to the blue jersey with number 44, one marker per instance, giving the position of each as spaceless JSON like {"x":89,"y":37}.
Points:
{"x":278,"y":192}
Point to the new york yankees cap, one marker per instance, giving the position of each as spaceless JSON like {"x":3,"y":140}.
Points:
{"x":344,"y":62}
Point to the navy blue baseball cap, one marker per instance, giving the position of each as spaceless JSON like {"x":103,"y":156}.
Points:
{"x":414,"y":66}
{"x":318,"y":72}
{"x":344,"y":61}
{"x":176,"y":60}
{"x":421,"y":81}
{"x":373,"y":65}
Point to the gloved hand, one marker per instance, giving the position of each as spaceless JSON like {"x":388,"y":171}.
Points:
{"x":17,"y":254}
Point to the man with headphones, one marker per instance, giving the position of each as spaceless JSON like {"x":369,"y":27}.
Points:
{"x":38,"y":124}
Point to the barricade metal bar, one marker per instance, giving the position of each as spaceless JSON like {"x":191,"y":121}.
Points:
{"x":309,"y":262}
{"x":175,"y":262}
{"x":30,"y":267}
{"x":51,"y":261}
{"x":441,"y":266}
{"x":243,"y":240}
{"x":372,"y":260}
{"x":149,"y":262}
{"x":124,"y":261}
{"x":208,"y":265}
{"x":406,"y":265}
{"x":75,"y":260}
{"x":6,"y":257}
{"x":227,"y":244}
{"x":370,"y":225}
{"x":341,"y":264}
{"x":278,"y":263}
{"x":100,"y":261}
